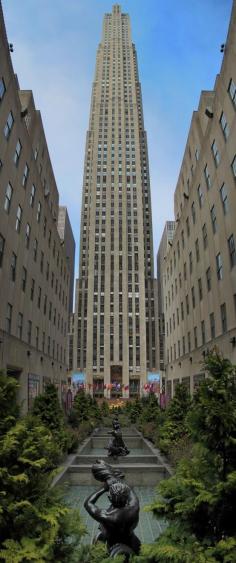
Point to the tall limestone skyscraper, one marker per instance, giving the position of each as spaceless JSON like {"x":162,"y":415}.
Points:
{"x":116,"y":327}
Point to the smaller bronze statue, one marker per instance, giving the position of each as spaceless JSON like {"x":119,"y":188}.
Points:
{"x":116,"y":446}
{"x":115,"y":423}
{"x":118,"y":521}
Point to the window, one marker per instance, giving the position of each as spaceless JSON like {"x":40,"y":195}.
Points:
{"x":223,"y":317}
{"x":195,"y":336}
{"x":213,"y":219}
{"x":232,"y":252}
{"x":32,"y":289}
{"x":8,"y":317}
{"x":203,"y":332}
{"x":18,"y":218}
{"x":2,"y":246}
{"x":2,"y":89}
{"x":8,"y":196}
{"x":20,"y":325}
{"x":45,"y":304}
{"x":32,"y":195}
{"x":24,"y":279}
{"x":189,"y":341}
{"x":39,"y":209}
{"x":35,"y":249}
{"x":207,"y":177}
{"x":17,"y":152}
{"x":25,"y":175}
{"x":44,"y":226}
{"x":215,"y":152}
{"x":29,"y":332}
{"x":193,"y":210}
{"x":200,"y":196}
{"x":193,"y":297}
{"x":187,"y":305}
{"x":224,"y":198}
{"x":208,"y":278}
{"x":219,"y":267}
{"x":43,"y":341}
{"x":224,"y":126}
{"x":187,"y":227}
{"x":197,"y":250}
{"x":41,"y":262}
{"x":212,"y":325}
{"x":27,"y":235}
{"x":232,"y":91}
{"x":200,"y":289}
{"x":233,"y":166}
{"x":37,"y":337}
{"x":204,"y":235}
{"x":39,"y":297}
{"x":190,"y":262}
{"x":8,"y":126}
{"x":13,"y":266}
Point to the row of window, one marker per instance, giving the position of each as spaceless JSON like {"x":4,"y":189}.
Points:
{"x":13,"y":273}
{"x":51,"y":347}
{"x":225,"y":206}
{"x":214,"y":148}
{"x":18,"y":150}
{"x":188,"y":345}
{"x":19,"y":213}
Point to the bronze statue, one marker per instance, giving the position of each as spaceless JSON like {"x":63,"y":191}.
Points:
{"x":118,"y":521}
{"x":115,"y":423}
{"x":116,"y":446}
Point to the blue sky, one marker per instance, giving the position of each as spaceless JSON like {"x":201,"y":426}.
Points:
{"x":178,"y":45}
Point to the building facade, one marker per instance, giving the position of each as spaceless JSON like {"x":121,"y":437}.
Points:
{"x":166,"y":242}
{"x":67,"y":239}
{"x":34,"y":272}
{"x":115,"y":318}
{"x":199,"y":270}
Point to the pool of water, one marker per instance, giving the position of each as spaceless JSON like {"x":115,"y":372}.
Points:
{"x":148,"y":529}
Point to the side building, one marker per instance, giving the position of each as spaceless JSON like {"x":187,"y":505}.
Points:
{"x":67,"y":239}
{"x":199,"y":268}
{"x":34,"y":270}
{"x":166,"y":242}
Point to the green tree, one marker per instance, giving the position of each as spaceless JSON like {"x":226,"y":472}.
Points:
{"x":85,"y":408}
{"x":9,"y":408}
{"x":48,"y":409}
{"x":35,"y":524}
{"x":199,"y":500}
{"x":174,"y":426}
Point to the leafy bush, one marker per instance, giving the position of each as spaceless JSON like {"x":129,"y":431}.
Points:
{"x":48,"y":409}
{"x":174,"y":428}
{"x":199,"y":500}
{"x":85,"y":408}
{"x":9,"y":408}
{"x":35,"y":525}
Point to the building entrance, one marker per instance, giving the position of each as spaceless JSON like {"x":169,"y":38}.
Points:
{"x":116,"y":381}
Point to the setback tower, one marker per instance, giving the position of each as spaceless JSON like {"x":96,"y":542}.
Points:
{"x":115,"y":336}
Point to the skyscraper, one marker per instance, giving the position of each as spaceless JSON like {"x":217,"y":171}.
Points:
{"x":115,"y":317}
